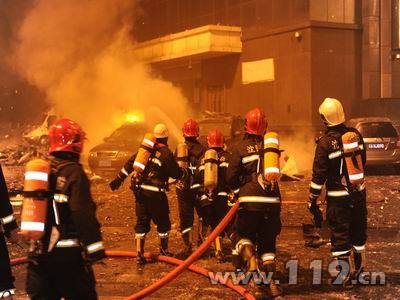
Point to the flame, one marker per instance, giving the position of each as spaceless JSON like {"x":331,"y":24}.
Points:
{"x":123,"y":116}
{"x":134,"y":117}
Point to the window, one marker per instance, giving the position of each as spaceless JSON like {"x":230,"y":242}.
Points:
{"x":214,"y":98}
{"x":258,"y":71}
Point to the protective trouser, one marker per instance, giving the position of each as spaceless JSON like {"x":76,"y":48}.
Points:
{"x":215,"y":211}
{"x":6,"y":278}
{"x":53,"y":278}
{"x":151,"y":206}
{"x":347,"y":218}
{"x":188,"y":202}
{"x":260,"y":227}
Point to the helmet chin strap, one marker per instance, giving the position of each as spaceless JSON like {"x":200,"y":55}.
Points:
{"x":324,"y":120}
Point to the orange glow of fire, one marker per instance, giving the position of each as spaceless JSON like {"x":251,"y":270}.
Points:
{"x":134,"y":117}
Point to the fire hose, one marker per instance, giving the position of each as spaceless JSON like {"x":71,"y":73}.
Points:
{"x":191,"y":259}
{"x":193,"y":268}
{"x":182,"y":265}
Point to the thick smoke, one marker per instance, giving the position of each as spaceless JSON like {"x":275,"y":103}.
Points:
{"x":80,"y":54}
{"x":300,"y":145}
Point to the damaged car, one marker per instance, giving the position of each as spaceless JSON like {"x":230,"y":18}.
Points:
{"x":107,"y":158}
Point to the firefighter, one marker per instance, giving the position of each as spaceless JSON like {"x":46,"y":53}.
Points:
{"x":60,"y":262}
{"x":187,"y":190}
{"x":8,"y":228}
{"x":346,"y":201}
{"x":149,"y":188}
{"x":258,"y":222}
{"x":214,"y":202}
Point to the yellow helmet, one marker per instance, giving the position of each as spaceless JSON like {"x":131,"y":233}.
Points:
{"x":160,"y":131}
{"x":331,"y":111}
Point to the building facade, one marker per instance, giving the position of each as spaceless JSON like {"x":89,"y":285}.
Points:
{"x":285,"y":56}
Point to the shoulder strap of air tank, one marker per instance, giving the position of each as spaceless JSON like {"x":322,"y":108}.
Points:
{"x":56,"y":168}
{"x":345,"y":174}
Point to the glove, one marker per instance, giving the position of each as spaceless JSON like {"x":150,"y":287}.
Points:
{"x":316,"y":211}
{"x":116,"y":183}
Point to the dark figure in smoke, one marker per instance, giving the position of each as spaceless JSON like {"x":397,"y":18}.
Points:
{"x":8,"y":228}
{"x":61,"y":267}
{"x":150,"y":188}
{"x":346,"y":193}
{"x":214,"y":203}
{"x":187,"y":189}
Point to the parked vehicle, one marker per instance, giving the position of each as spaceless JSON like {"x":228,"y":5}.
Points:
{"x":39,"y":135}
{"x":107,"y":158}
{"x":381,"y":140}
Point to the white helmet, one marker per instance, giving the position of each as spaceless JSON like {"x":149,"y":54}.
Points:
{"x":331,"y":111}
{"x":160,"y":131}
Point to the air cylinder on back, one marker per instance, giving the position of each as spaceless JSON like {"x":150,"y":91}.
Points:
{"x":210,"y":170}
{"x":144,"y":153}
{"x":35,"y":203}
{"x":182,"y":155}
{"x":271,"y":156}
{"x":353,"y":157}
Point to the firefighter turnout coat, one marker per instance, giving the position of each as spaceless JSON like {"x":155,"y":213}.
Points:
{"x":60,"y":264}
{"x":258,"y":220}
{"x":216,"y":202}
{"x":187,"y":189}
{"x":7,"y":223}
{"x":346,"y":211}
{"x":150,"y":188}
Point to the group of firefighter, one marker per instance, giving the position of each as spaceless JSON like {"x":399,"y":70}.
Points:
{"x":59,"y":214}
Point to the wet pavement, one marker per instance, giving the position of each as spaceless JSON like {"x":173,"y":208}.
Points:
{"x":118,"y":278}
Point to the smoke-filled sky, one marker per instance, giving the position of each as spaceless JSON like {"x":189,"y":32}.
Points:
{"x":79,"y":52}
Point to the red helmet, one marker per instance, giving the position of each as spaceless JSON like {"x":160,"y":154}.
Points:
{"x":66,"y":136}
{"x":215,"y":138}
{"x":190,"y":128}
{"x":256,"y":122}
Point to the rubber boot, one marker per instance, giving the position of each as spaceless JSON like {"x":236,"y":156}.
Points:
{"x":268,"y":289}
{"x":203,"y":232}
{"x":237,"y":261}
{"x":359,"y":265}
{"x":218,"y":249}
{"x":164,"y":247}
{"x":312,"y":236}
{"x":187,"y":238}
{"x":247,"y":252}
{"x":344,"y":279}
{"x":248,"y":255}
{"x":140,"y":259}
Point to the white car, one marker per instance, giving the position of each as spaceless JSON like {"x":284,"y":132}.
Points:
{"x":40,"y":134}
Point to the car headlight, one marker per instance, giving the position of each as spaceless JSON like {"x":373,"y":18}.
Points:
{"x":93,"y":154}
